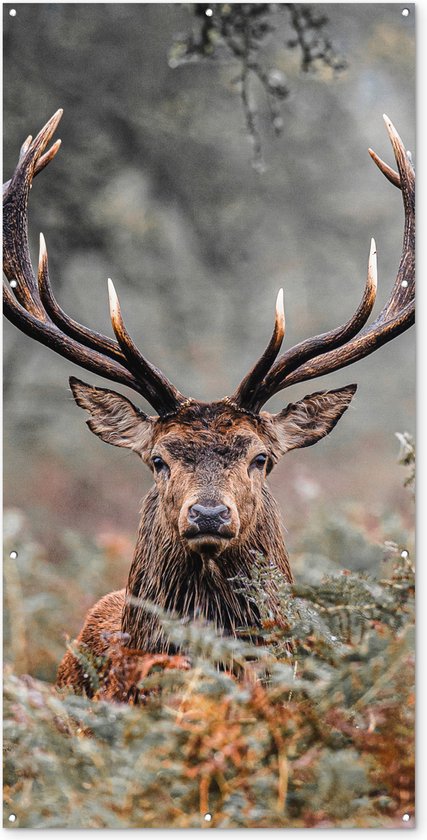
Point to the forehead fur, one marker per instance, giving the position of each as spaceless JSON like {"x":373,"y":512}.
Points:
{"x":210,"y":427}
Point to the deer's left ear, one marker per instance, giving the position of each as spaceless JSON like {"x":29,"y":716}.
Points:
{"x":312,"y":418}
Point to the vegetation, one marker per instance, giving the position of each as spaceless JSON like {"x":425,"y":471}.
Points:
{"x":238,"y":32}
{"x":313,"y":727}
{"x":153,"y":186}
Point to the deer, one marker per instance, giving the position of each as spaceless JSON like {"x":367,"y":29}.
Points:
{"x":209,"y":515}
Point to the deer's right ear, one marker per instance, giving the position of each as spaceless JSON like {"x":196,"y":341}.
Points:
{"x":113,"y":418}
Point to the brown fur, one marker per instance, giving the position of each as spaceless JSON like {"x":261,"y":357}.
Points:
{"x":102,"y":626}
{"x":213,"y":474}
{"x":210,"y":453}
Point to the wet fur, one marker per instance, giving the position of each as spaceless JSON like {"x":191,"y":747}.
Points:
{"x":165,"y":573}
{"x":208,"y":444}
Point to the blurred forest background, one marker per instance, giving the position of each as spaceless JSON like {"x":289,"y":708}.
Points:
{"x":158,"y":185}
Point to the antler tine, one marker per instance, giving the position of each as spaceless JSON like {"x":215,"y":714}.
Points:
{"x":47,"y":333}
{"x":387,"y":170}
{"x":47,"y":157}
{"x":101,"y":343}
{"x":342,"y":346}
{"x":33,"y":308}
{"x":165,"y":398}
{"x":17,"y":263}
{"x":25,"y":146}
{"x":396,"y":316}
{"x":294,"y":357}
{"x":40,"y":164}
{"x":244,"y":394}
{"x":36,"y":297}
{"x":403,"y":290}
{"x":89,"y":338}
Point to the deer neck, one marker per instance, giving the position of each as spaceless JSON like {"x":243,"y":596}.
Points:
{"x":165,"y":574}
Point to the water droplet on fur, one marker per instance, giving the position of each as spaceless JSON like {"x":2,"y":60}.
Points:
{"x":13,"y":14}
{"x":207,"y":817}
{"x":404,"y":284}
{"x":13,"y":555}
{"x":404,"y":554}
{"x":13,"y":284}
{"x":405,"y":12}
{"x":12,"y":817}
{"x":405,"y":818}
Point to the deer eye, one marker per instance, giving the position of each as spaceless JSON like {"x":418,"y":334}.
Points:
{"x":259,"y":461}
{"x":159,"y":464}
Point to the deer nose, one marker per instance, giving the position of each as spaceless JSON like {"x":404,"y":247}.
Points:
{"x":209,"y":519}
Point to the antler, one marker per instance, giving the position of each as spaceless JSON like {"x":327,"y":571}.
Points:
{"x":32,"y":307}
{"x":342,"y":346}
{"x":29,"y":303}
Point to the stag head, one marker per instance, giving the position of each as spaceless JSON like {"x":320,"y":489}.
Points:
{"x":209,"y":461}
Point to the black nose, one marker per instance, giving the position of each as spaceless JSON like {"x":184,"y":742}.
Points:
{"x":209,"y":519}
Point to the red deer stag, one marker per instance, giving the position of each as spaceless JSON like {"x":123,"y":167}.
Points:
{"x":210,"y":513}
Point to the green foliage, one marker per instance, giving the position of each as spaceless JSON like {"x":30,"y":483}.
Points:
{"x":407,"y":457}
{"x":331,"y":744}
{"x":311,"y":727}
{"x":45,"y":599}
